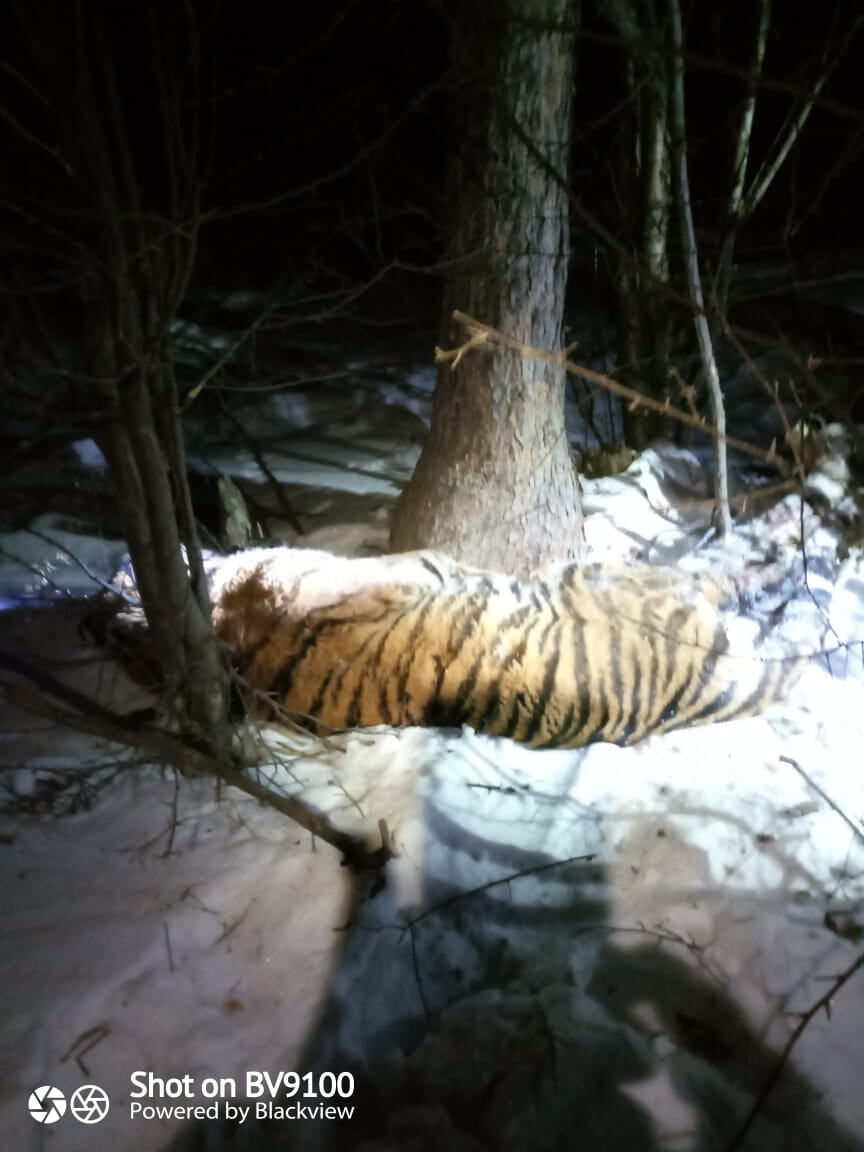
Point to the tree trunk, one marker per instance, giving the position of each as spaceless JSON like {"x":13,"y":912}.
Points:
{"x":681,"y":183}
{"x":642,"y":185}
{"x":735,"y":207}
{"x":495,"y":485}
{"x":142,"y":258}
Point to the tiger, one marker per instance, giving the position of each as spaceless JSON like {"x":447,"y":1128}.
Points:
{"x":571,"y":656}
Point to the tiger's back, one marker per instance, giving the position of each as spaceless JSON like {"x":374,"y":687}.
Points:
{"x":582,"y":654}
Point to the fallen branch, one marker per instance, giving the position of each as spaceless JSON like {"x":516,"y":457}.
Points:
{"x":34,"y":687}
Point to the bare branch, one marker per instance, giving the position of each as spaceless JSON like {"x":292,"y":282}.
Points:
{"x":725,"y":67}
{"x":48,"y":149}
{"x":493,"y":336}
{"x":358,"y":158}
{"x":742,"y":143}
{"x":771,"y":166}
{"x":80,"y":713}
{"x":857,"y":830}
{"x":824,"y":1002}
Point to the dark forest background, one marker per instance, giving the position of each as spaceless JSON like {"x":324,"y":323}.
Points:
{"x":326,"y":131}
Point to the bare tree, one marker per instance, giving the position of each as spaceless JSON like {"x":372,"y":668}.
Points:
{"x":747,"y":192}
{"x":642,"y":194}
{"x":122,"y":221}
{"x":681,"y":181}
{"x":738,"y":204}
{"x":652,"y":294}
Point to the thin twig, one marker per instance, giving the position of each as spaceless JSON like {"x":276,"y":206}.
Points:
{"x":811,"y":783}
{"x":823,"y":1002}
{"x":84,"y":1043}
{"x":284,"y":504}
{"x":168,"y":946}
{"x":105,"y":585}
{"x":497,"y":883}
{"x":172,"y":832}
{"x":228,"y":355}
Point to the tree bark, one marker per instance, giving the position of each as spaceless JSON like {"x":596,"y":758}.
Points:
{"x":691,"y":272}
{"x":642,"y":181}
{"x":495,"y":485}
{"x":144,"y":250}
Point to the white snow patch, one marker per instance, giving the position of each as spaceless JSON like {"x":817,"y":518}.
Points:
{"x":90,"y":455}
{"x":48,"y":561}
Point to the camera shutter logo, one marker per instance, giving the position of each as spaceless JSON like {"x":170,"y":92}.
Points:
{"x":46,"y":1104}
{"x":89,"y":1104}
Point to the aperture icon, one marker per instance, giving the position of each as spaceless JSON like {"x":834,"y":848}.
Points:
{"x":89,"y":1104}
{"x":46,"y":1104}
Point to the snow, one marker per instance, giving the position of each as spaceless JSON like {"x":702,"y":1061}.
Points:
{"x":328,"y":436}
{"x":184,"y":960}
{"x":90,"y":455}
{"x":600,"y":949}
{"x":47,"y":560}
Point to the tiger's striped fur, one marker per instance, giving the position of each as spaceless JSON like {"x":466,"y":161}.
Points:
{"x":574,"y":656}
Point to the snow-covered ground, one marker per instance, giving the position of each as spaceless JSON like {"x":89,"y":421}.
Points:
{"x":605,"y":949}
